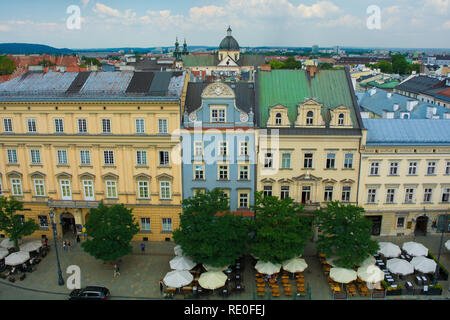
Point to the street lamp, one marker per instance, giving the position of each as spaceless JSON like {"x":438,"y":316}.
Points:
{"x":60,"y":278}
{"x":444,"y":227}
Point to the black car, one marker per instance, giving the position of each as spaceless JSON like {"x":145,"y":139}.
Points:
{"x":90,"y":293}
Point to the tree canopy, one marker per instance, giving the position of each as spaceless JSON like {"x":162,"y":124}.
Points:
{"x":7,"y":65}
{"x":110,"y":231}
{"x":216,"y":240}
{"x":346,"y":234}
{"x":289,"y":63}
{"x":399,"y":65}
{"x":12,"y":224}
{"x":281,"y":229}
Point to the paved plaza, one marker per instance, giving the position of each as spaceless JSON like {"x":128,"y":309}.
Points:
{"x":141,"y":272}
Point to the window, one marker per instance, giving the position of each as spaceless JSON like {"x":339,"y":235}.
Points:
{"x":31,"y":125}
{"x":341,"y":119}
{"x":328,"y":196}
{"x":82,"y":126}
{"x":108,"y":157}
{"x":7,"y":125}
{"x":111,"y":189}
{"x":164,"y":158}
{"x":66,"y":192}
{"x":143,"y":190}
{"x":106,"y":125}
{"x":39,"y":189}
{"x":309,"y":118}
{"x":12,"y":155}
{"x":243,"y":148}
{"x":371,"y":195}
{"x":62,"y":156}
{"x":409,"y":195}
{"x":140,"y":125}
{"x":284,"y":192}
{"x":165,"y":192}
{"x":346,"y":191}
{"x":267,"y":191}
{"x":412,"y":168}
{"x":199,"y":173}
{"x":85,"y":157}
{"x":59,"y":125}
{"x":431,"y":169}
{"x":374,"y":168}
{"x":446,"y":195}
{"x":43,"y":222}
{"x":268,"y":160}
{"x":331,"y":160}
{"x":198,"y":148}
{"x":308,"y":163}
{"x":400,"y":222}
{"x":88,"y":188}
{"x":393,"y":168}
{"x":390,"y":195}
{"x":218,"y":115}
{"x":243,"y":172}
{"x":167,"y":225}
{"x":447,"y":167}
{"x":278,"y":119}
{"x":223,"y":148}
{"x":286,"y":161}
{"x":223,"y":172}
{"x":427,"y":195}
{"x":243,"y":200}
{"x":162,"y":126}
{"x":306,"y":194}
{"x":145,"y":224}
{"x":35,"y":156}
{"x":348,"y":161}
{"x":141,"y":158}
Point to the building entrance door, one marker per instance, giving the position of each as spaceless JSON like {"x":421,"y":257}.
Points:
{"x":376,"y":224}
{"x":421,"y":226}
{"x":68,"y":224}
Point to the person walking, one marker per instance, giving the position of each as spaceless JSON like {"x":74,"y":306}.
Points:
{"x":116,"y":271}
{"x":142,"y":248}
{"x":161,"y":286}
{"x":78,"y":239}
{"x":45,"y":242}
{"x":64,"y":245}
{"x":68,"y":245}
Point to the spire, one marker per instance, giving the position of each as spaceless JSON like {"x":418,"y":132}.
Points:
{"x":229,"y":31}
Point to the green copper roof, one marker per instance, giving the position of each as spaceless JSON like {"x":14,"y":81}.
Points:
{"x":385,"y":85}
{"x":200,"y":60}
{"x":292,"y":87}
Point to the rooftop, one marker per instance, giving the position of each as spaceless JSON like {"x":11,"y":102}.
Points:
{"x":419,"y":84}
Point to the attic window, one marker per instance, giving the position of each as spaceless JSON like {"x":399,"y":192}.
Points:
{"x":278,"y":119}
{"x":341,"y":119}
{"x":309,"y":118}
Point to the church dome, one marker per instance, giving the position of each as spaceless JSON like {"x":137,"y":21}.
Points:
{"x":229,"y":43}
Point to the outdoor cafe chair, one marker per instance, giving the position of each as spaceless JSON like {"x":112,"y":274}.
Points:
{"x":260,"y":294}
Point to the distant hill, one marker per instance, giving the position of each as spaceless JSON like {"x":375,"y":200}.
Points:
{"x":29,"y":48}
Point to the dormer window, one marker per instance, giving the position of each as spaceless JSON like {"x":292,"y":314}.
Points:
{"x":278,"y":119}
{"x":341,"y":119}
{"x":309,"y":118}
{"x":218,"y":114}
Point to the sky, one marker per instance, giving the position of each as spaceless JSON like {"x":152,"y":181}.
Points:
{"x":298,"y":23}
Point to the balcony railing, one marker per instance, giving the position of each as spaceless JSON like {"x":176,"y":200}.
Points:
{"x":80,"y":204}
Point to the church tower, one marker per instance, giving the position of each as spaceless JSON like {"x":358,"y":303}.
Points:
{"x":177,"y":53}
{"x":229,"y":47}
{"x":185,"y":48}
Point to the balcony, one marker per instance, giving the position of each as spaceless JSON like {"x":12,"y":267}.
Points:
{"x":79,"y":204}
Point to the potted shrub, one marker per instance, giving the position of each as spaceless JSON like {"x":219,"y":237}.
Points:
{"x":394,"y":291}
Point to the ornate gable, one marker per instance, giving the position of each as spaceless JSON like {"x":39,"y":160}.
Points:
{"x":278,"y":116}
{"x":309,"y":114}
{"x":218,"y":90}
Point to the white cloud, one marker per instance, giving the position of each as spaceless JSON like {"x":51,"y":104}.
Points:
{"x":344,"y":21}
{"x":114,"y":15}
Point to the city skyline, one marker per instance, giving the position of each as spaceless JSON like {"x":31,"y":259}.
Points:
{"x":292,"y":23}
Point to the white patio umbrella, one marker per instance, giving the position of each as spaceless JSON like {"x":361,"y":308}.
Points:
{"x":3,"y":252}
{"x":182,"y":263}
{"x":399,"y":266}
{"x":17,"y":258}
{"x":211,"y":268}
{"x":331,"y":260}
{"x":178,"y":278}
{"x":424,"y":264}
{"x":267,"y":267}
{"x":212,"y":279}
{"x":31,"y":246}
{"x":370,"y":273}
{"x":7,"y":243}
{"x":415,"y":249}
{"x":343,"y":275}
{"x":447,"y":244}
{"x":389,"y":250}
{"x":295,"y":265}
{"x":370,"y":261}
{"x":178,"y":251}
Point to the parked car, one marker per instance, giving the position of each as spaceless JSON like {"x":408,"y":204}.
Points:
{"x":90,"y":293}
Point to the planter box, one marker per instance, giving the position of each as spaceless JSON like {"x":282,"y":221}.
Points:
{"x":433,"y":292}
{"x":396,"y":292}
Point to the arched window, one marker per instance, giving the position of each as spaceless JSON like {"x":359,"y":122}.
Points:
{"x":341,"y":119}
{"x":278,"y":119}
{"x":309,"y":118}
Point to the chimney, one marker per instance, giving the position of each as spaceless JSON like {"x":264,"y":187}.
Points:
{"x":395,"y":107}
{"x":372,"y":91}
{"x":410,"y":104}
{"x":312,"y":69}
{"x":389,"y":95}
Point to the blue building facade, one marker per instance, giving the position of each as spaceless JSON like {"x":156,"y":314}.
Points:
{"x":218,"y":142}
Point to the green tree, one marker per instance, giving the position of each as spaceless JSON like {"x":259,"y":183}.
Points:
{"x":46,"y":63}
{"x":291,"y":63}
{"x":275,"y":64}
{"x":346,"y":234}
{"x":399,"y":64}
{"x":414,"y":67}
{"x":110,"y":231}
{"x":7,"y":65}
{"x":325,"y":66}
{"x":12,"y":224}
{"x":384,"y":66}
{"x":208,"y":238}
{"x":281,"y":229}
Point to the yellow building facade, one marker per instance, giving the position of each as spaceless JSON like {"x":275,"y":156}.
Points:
{"x":111,"y":141}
